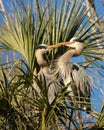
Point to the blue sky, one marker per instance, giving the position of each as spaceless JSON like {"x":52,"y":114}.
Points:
{"x":99,"y":7}
{"x":98,"y":3}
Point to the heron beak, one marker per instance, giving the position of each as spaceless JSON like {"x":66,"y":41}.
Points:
{"x":68,"y":44}
{"x":59,"y":45}
{"x":52,"y":47}
{"x":63,"y":44}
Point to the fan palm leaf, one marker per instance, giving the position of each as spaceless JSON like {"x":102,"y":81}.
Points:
{"x":24,"y":35}
{"x":51,"y":25}
{"x":71,"y":20}
{"x":11,"y":115}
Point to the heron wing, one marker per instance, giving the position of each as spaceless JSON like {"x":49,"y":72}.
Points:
{"x":82,"y":80}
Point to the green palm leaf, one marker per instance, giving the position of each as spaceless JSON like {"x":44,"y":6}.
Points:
{"x":50,"y":25}
{"x":24,"y":35}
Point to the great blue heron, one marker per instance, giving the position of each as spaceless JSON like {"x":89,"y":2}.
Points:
{"x":80,"y":83}
{"x":44,"y":72}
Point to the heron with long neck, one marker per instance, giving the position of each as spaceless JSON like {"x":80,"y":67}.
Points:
{"x":80,"y":83}
{"x":40,"y":54}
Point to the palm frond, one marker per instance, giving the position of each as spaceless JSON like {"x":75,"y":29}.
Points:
{"x":50,"y":25}
{"x":100,"y":122}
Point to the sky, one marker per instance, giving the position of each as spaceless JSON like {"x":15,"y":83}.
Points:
{"x":99,"y":7}
{"x":98,"y":4}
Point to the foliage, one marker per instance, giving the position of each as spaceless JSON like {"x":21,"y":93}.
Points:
{"x":100,"y":120}
{"x":20,"y":108}
{"x":11,"y":113}
{"x":50,"y":26}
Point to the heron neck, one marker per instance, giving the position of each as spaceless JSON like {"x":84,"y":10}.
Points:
{"x":44,"y":66}
{"x":45,"y":69}
{"x":67,"y":56}
{"x":42,"y":62}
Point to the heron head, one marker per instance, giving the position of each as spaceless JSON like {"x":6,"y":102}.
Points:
{"x":74,"y":39}
{"x":74,"y":43}
{"x":43,"y":48}
{"x":41,"y":53}
{"x":77,"y":44}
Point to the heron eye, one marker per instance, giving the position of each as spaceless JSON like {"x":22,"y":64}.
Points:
{"x":41,"y":47}
{"x":75,"y":67}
